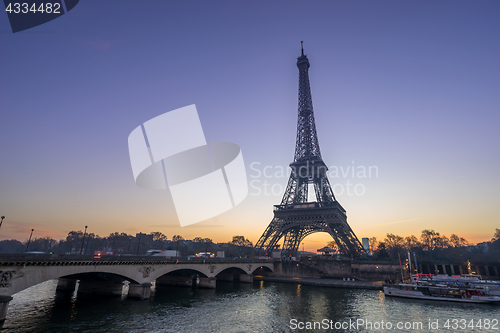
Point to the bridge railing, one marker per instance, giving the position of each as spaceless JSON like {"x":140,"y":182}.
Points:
{"x":29,"y":259}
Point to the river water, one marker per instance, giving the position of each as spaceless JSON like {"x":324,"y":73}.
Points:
{"x":239,"y":307}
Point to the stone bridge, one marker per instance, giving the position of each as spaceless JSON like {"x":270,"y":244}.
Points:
{"x":107,"y":275}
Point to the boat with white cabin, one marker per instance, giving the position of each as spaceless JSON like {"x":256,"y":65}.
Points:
{"x":468,"y":289}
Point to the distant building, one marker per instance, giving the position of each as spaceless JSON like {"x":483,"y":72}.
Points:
{"x":144,"y":237}
{"x":366,"y":244}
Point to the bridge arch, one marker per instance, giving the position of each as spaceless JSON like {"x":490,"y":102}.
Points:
{"x":230,"y":273}
{"x":24,"y":277}
{"x":99,"y":277}
{"x":262,"y":270}
{"x":244,"y":268}
{"x":178,"y":269}
{"x":184,"y":272}
{"x":231,"y":270}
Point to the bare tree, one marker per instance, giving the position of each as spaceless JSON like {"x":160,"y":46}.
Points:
{"x":176,"y":238}
{"x":457,"y":241}
{"x":159,"y":239}
{"x":373,"y":241}
{"x":241,"y":241}
{"x":496,"y":236}
{"x":412,"y":242}
{"x":429,"y":239}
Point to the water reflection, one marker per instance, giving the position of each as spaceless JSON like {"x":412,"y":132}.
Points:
{"x":232,"y":307}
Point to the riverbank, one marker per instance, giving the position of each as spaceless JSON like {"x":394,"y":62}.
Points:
{"x":333,"y":283}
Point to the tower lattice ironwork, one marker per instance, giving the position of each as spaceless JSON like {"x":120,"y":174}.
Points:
{"x":296,"y":218}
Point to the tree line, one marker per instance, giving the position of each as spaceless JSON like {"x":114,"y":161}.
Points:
{"x":79,"y":242}
{"x":431,"y":245}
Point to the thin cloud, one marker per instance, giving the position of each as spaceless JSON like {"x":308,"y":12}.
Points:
{"x":402,"y":221}
{"x":164,"y":226}
{"x":205,"y":226}
{"x":22,"y":231}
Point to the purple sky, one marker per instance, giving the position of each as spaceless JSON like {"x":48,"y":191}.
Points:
{"x":409,"y":87}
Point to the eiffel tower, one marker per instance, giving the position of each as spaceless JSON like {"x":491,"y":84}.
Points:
{"x":296,"y":218}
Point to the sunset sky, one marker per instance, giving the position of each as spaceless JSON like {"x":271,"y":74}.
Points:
{"x":409,"y":90}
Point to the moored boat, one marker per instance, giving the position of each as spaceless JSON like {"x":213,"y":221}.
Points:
{"x":468,"y":280}
{"x":442,"y":291}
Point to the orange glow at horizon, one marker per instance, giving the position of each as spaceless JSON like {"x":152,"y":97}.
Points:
{"x":219,"y":232}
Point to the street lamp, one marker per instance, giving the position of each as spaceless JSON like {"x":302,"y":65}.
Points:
{"x":2,"y":221}
{"x":83,"y":240}
{"x":29,"y":241}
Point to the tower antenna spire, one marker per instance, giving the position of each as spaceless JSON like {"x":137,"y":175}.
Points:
{"x":302,"y":46}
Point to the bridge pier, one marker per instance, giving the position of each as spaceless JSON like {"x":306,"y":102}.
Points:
{"x":141,"y":291}
{"x":66,"y":284}
{"x":209,"y":282}
{"x":169,"y":280}
{"x":100,"y":288}
{"x":4,"y":304}
{"x":246,"y":278}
